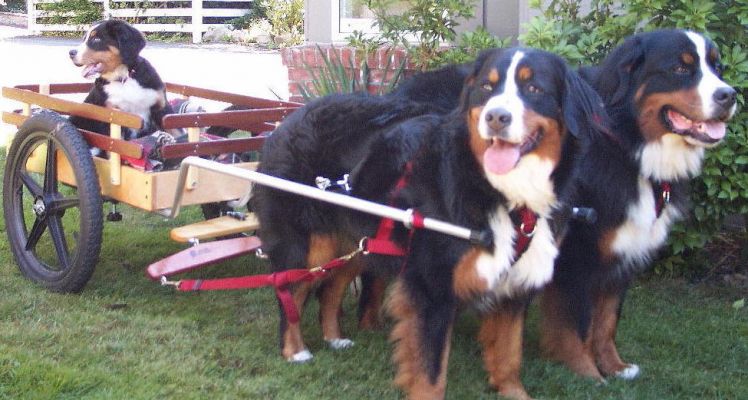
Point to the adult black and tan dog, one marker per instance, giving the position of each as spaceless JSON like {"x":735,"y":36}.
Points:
{"x":667,"y":103}
{"x":500,"y":162}
{"x":110,"y":51}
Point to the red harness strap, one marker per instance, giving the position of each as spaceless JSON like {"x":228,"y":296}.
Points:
{"x":381,"y":243}
{"x":662,"y":196}
{"x":278,"y":280}
{"x":524,"y":224}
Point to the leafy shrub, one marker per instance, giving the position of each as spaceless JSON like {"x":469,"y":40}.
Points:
{"x":287,"y":20}
{"x":339,"y":77}
{"x":258,"y":12}
{"x":468,"y":46}
{"x":722,"y":188}
{"x":73,"y":12}
{"x":430,"y":22}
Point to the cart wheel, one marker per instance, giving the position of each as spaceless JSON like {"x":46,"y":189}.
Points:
{"x":54,"y":229}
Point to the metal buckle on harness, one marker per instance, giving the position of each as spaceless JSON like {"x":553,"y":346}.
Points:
{"x":345,"y":258}
{"x":527,"y":234}
{"x":362,"y":246}
{"x":666,"y":196}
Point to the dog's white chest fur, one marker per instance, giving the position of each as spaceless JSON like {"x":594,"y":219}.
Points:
{"x":528,"y":184}
{"x":643,"y":232}
{"x":505,"y":277}
{"x":130,"y":97}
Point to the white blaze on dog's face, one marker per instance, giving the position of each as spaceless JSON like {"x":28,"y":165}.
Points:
{"x":714,"y":93}
{"x":514,"y":115}
{"x":683,"y":104}
{"x":108,"y":47}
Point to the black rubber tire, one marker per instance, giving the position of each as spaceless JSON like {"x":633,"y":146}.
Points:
{"x":59,"y":249}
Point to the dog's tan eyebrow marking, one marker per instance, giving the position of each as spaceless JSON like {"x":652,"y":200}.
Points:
{"x":687,"y":58}
{"x":524,"y":73}
{"x":493,"y":76}
{"x":713,"y":54}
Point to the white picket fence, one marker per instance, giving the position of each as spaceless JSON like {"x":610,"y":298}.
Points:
{"x":193,"y":16}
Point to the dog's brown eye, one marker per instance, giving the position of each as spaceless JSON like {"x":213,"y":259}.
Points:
{"x":680,"y":69}
{"x":534,"y":89}
{"x":719,"y":68}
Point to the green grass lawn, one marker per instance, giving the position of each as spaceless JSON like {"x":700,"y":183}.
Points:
{"x":126,"y":337}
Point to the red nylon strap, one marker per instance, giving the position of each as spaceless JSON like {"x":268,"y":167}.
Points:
{"x":382,"y":242}
{"x":385,"y":247}
{"x":525,"y":230}
{"x":662,"y":196}
{"x":278,"y":280}
{"x":417,"y":220}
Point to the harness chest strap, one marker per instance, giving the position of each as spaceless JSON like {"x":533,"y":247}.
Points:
{"x":662,"y":192}
{"x":525,"y":222}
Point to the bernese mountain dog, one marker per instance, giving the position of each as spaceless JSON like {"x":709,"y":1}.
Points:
{"x":667,"y":104}
{"x":110,"y":51}
{"x":501,"y":163}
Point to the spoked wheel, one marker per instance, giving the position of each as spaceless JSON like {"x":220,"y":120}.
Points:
{"x":54,"y":228}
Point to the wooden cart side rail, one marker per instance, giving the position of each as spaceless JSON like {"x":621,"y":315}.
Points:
{"x":103,"y":142}
{"x":237,"y":99}
{"x":250,"y":120}
{"x":60,"y":88}
{"x":85,"y":110}
{"x":180,"y":150}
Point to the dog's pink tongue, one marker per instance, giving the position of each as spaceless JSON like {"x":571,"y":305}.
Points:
{"x":501,"y":157}
{"x":714,"y":129}
{"x":91,"y":70}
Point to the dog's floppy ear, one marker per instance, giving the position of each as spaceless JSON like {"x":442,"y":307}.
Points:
{"x":622,"y":64}
{"x":583,"y":109}
{"x":129,"y":41}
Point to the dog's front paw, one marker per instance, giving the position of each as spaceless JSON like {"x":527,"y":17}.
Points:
{"x":300,"y":357}
{"x":629,"y":373}
{"x":340,"y":343}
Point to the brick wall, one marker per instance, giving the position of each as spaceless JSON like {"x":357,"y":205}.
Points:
{"x":299,"y":59}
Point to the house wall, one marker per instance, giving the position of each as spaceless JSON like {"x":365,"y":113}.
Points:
{"x":501,"y":17}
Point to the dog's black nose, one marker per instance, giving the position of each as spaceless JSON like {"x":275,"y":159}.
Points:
{"x":498,"y":119}
{"x":73,"y":53}
{"x":725,"y":97}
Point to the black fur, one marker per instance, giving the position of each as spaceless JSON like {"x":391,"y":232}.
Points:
{"x":612,"y":169}
{"x":373,"y":138}
{"x":128,"y":41}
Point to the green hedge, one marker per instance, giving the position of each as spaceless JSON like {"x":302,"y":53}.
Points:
{"x":722,"y":188}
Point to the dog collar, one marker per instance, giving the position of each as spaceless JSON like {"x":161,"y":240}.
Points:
{"x":661,"y":192}
{"x":124,"y":79}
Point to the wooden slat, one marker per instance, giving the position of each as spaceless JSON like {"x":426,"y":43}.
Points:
{"x":60,"y":88}
{"x":122,"y":147}
{"x":239,"y":119}
{"x":13,"y":118}
{"x":202,"y":255}
{"x":176,"y":12}
{"x":213,"y":228}
{"x":90,"y":111}
{"x":119,"y":146}
{"x":237,"y":99}
{"x":180,"y":150}
{"x":211,"y":187}
{"x":152,"y":191}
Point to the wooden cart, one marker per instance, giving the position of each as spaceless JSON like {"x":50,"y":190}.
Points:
{"x":54,"y":189}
